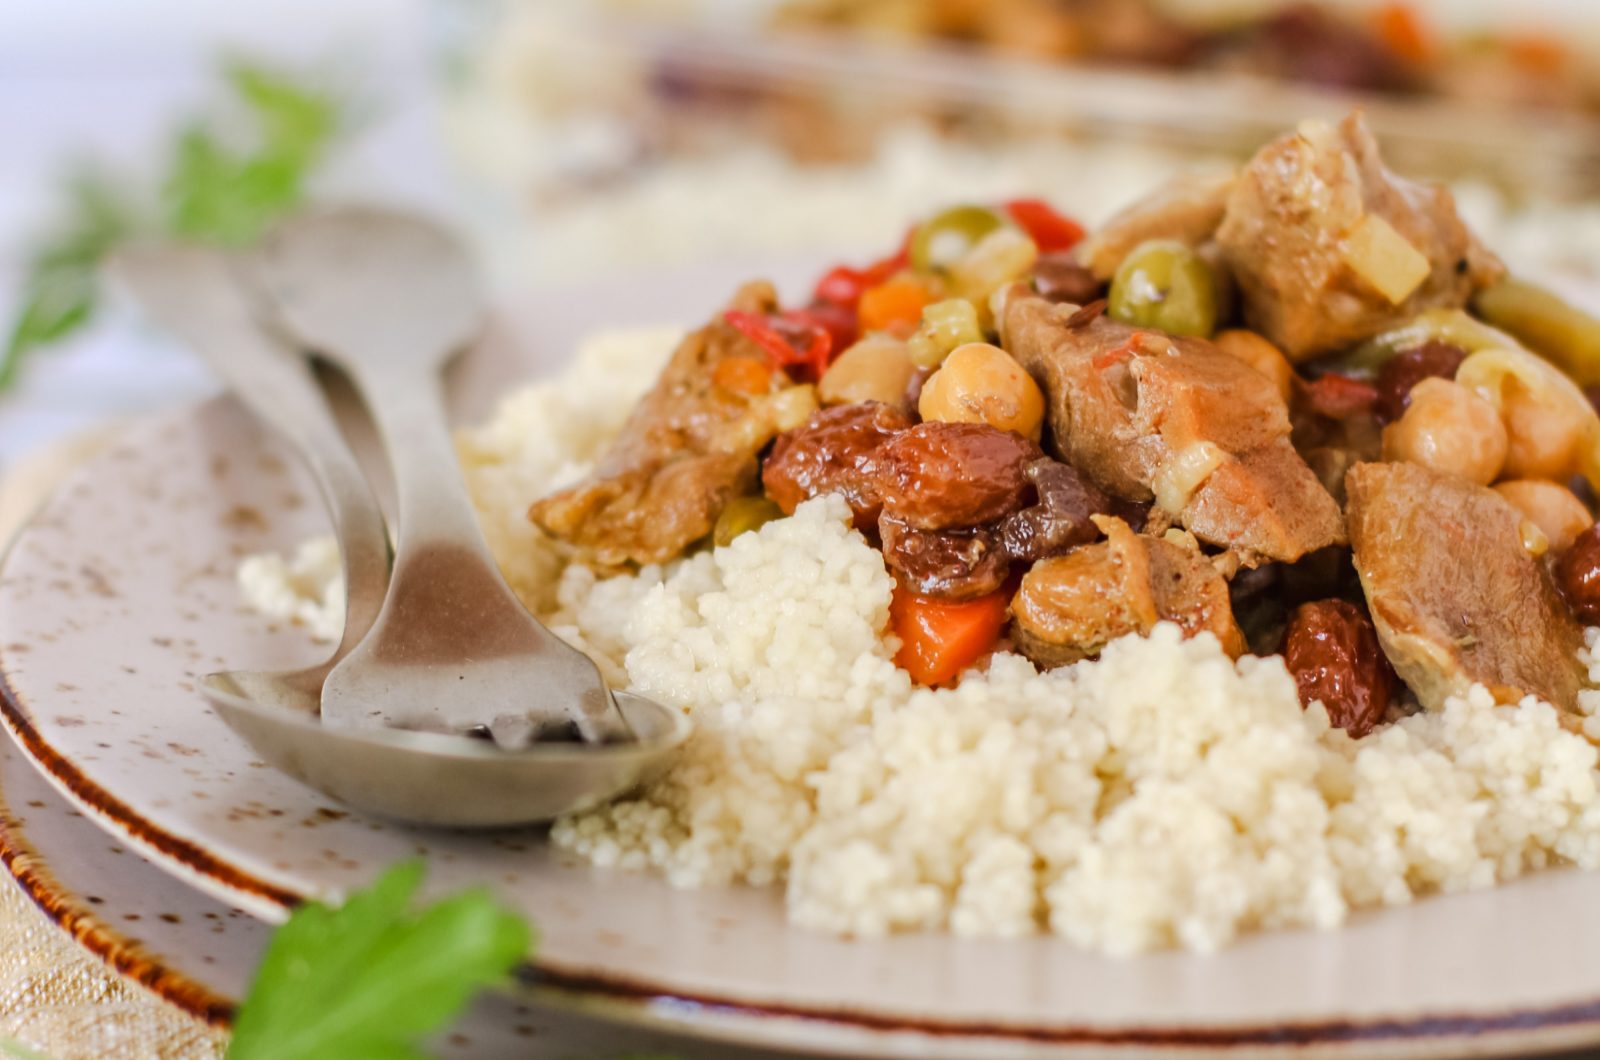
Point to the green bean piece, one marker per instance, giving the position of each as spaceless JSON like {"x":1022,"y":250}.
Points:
{"x":1165,"y":284}
{"x":943,"y":238}
{"x":741,"y":514}
{"x":1551,"y":326}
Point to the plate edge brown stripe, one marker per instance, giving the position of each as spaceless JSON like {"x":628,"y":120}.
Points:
{"x":108,"y":805}
{"x":127,"y":958}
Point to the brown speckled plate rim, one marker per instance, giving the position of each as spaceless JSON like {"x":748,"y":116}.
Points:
{"x":1564,"y":1025}
{"x":118,"y":952}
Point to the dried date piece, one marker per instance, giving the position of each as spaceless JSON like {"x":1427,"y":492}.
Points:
{"x":1578,"y":576}
{"x":937,"y":475}
{"x":1408,"y":368}
{"x":1332,"y":651}
{"x":959,"y":564}
{"x":836,"y":451}
{"x":1059,"y":519}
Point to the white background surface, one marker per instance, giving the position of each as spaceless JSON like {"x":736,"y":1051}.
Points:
{"x":109,"y":80}
{"x":99,"y":79}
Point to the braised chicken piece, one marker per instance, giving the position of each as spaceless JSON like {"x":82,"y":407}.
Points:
{"x":1070,"y":607}
{"x":1188,"y":209}
{"x":689,"y":447}
{"x":1147,"y":416}
{"x":1456,"y":596}
{"x":1329,"y":248}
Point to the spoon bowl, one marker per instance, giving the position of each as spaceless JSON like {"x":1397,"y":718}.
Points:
{"x":444,"y":780}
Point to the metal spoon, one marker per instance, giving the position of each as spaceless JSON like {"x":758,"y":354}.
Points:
{"x":420,"y":778}
{"x":390,"y":298}
{"x":192,"y":291}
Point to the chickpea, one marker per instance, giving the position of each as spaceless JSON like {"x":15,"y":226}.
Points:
{"x":1450,"y":429}
{"x":1551,"y":507}
{"x":877,"y":368}
{"x":980,"y":383}
{"x":1543,"y":433}
{"x":1259,"y":354}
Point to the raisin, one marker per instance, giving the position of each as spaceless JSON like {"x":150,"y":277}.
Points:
{"x":1059,"y":519}
{"x":1408,"y":368}
{"x":1578,"y":576}
{"x":956,"y":564}
{"x":835,"y":452}
{"x":1058,"y":278}
{"x":1332,"y":650}
{"x":938,"y":475}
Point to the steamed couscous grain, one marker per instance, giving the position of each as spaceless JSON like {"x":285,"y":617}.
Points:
{"x":1160,"y":796}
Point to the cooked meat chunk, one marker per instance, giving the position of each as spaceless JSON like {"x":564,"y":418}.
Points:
{"x":1070,"y":607}
{"x":1328,"y":247}
{"x":939,"y":475}
{"x":1456,"y":597}
{"x":1148,"y":415}
{"x":837,"y":451}
{"x":1187,"y":208}
{"x":956,"y":564}
{"x":688,"y":448}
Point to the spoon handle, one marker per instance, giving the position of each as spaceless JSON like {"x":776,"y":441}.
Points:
{"x":194,"y":293}
{"x":447,"y":582}
{"x":433,"y":503}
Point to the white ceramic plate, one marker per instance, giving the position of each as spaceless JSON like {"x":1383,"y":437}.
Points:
{"x":198,"y":954}
{"x":121,"y":591}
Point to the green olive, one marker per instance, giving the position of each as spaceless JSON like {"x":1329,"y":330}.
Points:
{"x":1165,"y":284}
{"x":1547,"y":323}
{"x":741,"y":514}
{"x":946,"y":236}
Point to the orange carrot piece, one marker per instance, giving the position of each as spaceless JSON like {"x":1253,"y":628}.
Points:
{"x":940,"y":638}
{"x":743,"y":375}
{"x":1404,"y":32}
{"x":897,"y":303}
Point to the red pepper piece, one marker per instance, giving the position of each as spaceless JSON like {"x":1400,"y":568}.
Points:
{"x":840,"y":322}
{"x":841,"y":285}
{"x":792,"y":341}
{"x":1049,"y":230}
{"x":1339,"y":397}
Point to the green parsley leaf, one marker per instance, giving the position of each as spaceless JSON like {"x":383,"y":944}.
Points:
{"x":366,"y":981}
{"x":223,"y":194}
{"x":59,"y":294}
{"x":218,"y":189}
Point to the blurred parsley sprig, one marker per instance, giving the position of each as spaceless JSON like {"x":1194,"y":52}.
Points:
{"x":218,"y":188}
{"x":371,"y":978}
